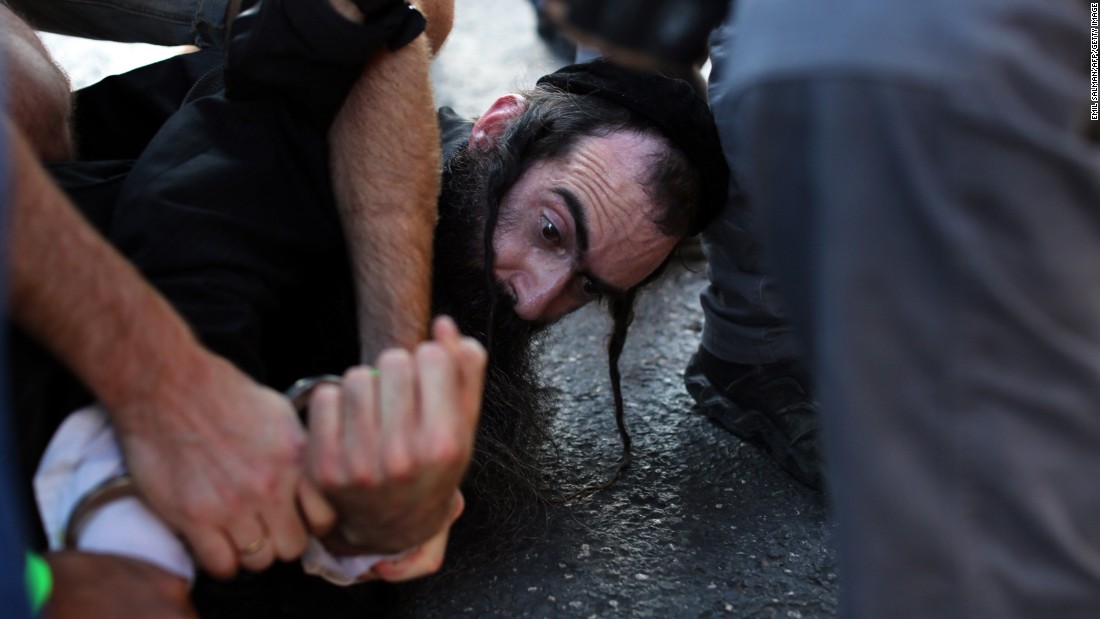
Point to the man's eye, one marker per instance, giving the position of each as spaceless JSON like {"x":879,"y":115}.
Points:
{"x":591,"y":290}
{"x":550,"y":231}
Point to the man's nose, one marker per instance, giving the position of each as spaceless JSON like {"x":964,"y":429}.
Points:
{"x":543,"y":296}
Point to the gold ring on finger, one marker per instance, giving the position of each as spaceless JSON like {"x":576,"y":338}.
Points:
{"x":253,"y":548}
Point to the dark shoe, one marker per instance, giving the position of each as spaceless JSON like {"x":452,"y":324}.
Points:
{"x":767,"y":406}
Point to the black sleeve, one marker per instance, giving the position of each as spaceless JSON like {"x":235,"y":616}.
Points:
{"x":227,"y":213}
{"x":116,"y":117}
{"x":307,"y":52}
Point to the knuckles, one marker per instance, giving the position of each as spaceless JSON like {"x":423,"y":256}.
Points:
{"x":399,"y":465}
{"x":363,"y":480}
{"x":447,"y":452}
{"x":326,"y":470}
{"x":206,"y":510}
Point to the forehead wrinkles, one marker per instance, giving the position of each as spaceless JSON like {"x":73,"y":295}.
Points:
{"x":608,"y":174}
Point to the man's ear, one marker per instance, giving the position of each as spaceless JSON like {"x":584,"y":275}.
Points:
{"x":491,"y":125}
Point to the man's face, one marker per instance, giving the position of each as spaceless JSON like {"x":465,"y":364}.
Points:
{"x":567,"y":229}
{"x":573,"y":228}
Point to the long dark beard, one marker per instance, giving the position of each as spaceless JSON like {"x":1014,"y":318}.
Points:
{"x":504,"y":485}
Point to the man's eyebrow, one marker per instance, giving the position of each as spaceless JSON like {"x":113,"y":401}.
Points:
{"x":580,"y":222}
{"x":580,"y":228}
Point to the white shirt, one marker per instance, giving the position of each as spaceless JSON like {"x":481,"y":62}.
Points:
{"x":84,"y":453}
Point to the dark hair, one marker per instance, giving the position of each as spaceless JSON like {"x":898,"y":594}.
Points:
{"x":553,"y":123}
{"x":556,"y":121}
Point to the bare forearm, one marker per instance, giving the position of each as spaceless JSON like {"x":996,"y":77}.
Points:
{"x":72,"y":291}
{"x":385,"y":159}
{"x":38,"y":97}
{"x":210,"y":449}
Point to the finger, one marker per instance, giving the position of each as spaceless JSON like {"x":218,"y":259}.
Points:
{"x":423,"y":561}
{"x":249,"y":535}
{"x":445,"y":332}
{"x":361,"y":421}
{"x":286,"y":531}
{"x":398,"y":410}
{"x":399,"y":570}
{"x":447,"y":434}
{"x":213,"y":550}
{"x":324,"y":465}
{"x":458,"y":505}
{"x":316,"y":510}
{"x":439,"y":393}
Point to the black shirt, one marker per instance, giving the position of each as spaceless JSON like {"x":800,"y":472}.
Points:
{"x":227,"y":210}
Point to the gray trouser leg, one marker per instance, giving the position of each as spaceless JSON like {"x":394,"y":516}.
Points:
{"x":943,"y":263}
{"x":744,"y":317}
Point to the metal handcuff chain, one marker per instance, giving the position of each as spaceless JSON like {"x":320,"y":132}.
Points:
{"x":300,"y":392}
{"x":123,"y":486}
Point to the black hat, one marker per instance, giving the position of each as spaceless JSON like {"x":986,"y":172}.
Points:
{"x":673,"y":106}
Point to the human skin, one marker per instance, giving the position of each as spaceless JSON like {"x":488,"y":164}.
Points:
{"x":539,"y":254}
{"x":384,"y":146}
{"x":209,"y":448}
{"x":113,"y":587}
{"x":220,"y":459}
{"x":433,"y":498}
{"x":553,"y":258}
{"x":390,"y":447}
{"x":385,"y":153}
{"x":38,"y":92}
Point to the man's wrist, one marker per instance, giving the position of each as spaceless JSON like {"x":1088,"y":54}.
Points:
{"x":128,"y":528}
{"x":136,"y":401}
{"x":160,"y":359}
{"x":110,"y":490}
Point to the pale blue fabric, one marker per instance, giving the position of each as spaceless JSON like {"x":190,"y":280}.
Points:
{"x":932,"y":211}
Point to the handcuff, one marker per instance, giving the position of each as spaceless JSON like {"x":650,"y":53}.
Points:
{"x":300,"y":392}
{"x":123,"y":486}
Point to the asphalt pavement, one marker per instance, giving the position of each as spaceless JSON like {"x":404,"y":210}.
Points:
{"x":700,"y":525}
